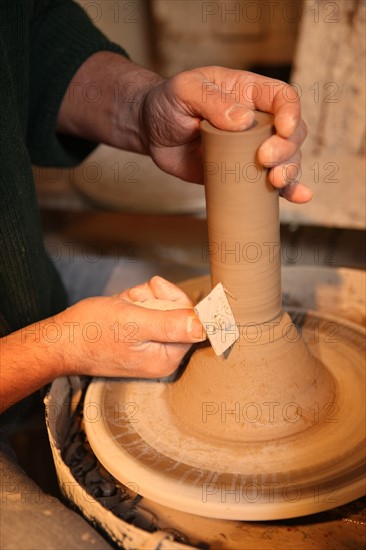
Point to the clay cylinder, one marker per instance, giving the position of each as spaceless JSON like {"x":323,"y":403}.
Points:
{"x":243,"y":220}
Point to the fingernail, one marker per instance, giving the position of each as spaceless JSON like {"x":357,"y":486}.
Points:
{"x":239,"y":113}
{"x":195,"y":329}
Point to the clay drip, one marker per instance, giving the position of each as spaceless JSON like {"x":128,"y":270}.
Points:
{"x":269,"y":367}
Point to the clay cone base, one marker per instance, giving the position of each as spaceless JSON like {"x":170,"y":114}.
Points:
{"x":309,"y":459}
{"x":265,"y":388}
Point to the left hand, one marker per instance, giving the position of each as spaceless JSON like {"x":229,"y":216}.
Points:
{"x":132,"y":340}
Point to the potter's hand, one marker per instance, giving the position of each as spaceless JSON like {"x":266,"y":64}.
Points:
{"x":226,"y":98}
{"x":101,"y":337}
{"x":134,"y":340}
{"x":139,"y":111}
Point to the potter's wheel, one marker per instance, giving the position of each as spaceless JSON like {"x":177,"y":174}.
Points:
{"x":273,"y":428}
{"x":137,"y":442}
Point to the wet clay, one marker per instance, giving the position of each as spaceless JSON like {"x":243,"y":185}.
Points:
{"x":271,"y":429}
{"x":243,"y":221}
{"x":270,"y":362}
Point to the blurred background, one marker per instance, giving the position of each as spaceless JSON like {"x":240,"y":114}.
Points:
{"x":170,"y":36}
{"x":120,"y":205}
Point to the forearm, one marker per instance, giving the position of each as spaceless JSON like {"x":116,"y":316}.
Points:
{"x":103,"y":101}
{"x":29,"y":359}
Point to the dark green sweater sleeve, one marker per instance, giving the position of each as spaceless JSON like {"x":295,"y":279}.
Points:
{"x":62,"y":38}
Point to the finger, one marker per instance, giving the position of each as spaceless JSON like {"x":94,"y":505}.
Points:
{"x":286,"y":177}
{"x":280,"y":99}
{"x":296,"y":192}
{"x":286,"y":172}
{"x":227,"y":98}
{"x":276,"y":149}
{"x":286,"y":169}
{"x":165,"y":290}
{"x":174,"y":326}
{"x":287,"y":111}
{"x":157,"y":288}
{"x":138,"y":293}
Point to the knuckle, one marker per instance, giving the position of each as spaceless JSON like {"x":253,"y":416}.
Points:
{"x":156,"y":280}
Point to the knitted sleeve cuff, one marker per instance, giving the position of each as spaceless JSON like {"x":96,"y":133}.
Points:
{"x":62,"y":38}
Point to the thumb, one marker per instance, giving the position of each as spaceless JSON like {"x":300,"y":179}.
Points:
{"x":173,"y":326}
{"x":222,"y":110}
{"x":216,"y":98}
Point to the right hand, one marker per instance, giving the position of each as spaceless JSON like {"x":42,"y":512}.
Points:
{"x":113,"y":336}
{"x":173,"y":109}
